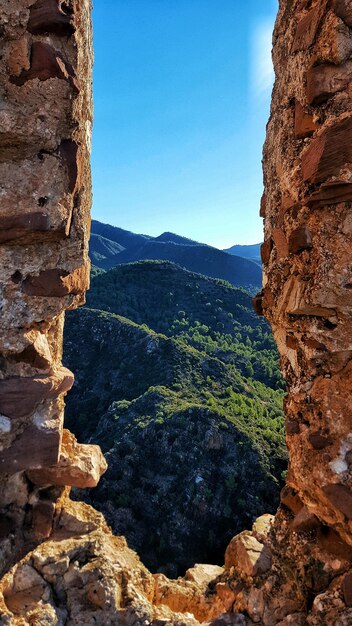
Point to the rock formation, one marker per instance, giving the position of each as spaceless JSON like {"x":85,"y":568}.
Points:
{"x":61,"y":564}
{"x":45,"y":131}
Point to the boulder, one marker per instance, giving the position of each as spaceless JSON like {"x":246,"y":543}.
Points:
{"x":202,"y":574}
{"x":247,"y":555}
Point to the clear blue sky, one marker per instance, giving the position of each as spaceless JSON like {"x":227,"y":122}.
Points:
{"x":181,"y":95}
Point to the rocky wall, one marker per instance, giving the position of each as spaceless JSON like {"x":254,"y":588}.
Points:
{"x":45,"y":199}
{"x":307,"y":248}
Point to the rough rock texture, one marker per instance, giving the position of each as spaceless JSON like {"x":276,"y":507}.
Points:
{"x":79,"y":465}
{"x":306,"y":297}
{"x":45,"y":129}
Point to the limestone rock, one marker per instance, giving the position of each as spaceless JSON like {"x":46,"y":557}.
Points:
{"x":79,"y":465}
{"x":188,"y":596}
{"x":247,"y":555}
{"x":203,"y":574}
{"x":262,"y":526}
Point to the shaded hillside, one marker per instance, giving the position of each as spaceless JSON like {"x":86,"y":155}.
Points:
{"x":189,"y":254}
{"x":124,"y":238}
{"x":208,"y":314}
{"x":201,"y":259}
{"x":194,"y":440}
{"x":251,"y":252}
{"x":101,"y":250}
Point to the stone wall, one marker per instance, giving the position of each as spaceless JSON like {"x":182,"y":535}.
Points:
{"x":45,"y":199}
{"x":307,"y":248}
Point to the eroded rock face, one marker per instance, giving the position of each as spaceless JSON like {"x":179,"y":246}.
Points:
{"x":306,"y":297}
{"x":45,"y":127}
{"x":307,"y":286}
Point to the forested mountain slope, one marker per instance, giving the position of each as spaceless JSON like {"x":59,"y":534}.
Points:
{"x":177,"y":379}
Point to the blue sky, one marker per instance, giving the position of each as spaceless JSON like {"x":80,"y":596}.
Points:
{"x":181,"y":96}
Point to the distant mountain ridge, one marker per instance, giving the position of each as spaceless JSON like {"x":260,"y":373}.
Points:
{"x":192,"y":255}
{"x":251,"y":252}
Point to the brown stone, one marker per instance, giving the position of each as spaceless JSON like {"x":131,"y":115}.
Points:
{"x":319,"y":441}
{"x":304,"y":123}
{"x":16,"y":228}
{"x":202,"y":574}
{"x":79,"y":465}
{"x":280,"y":242}
{"x":265,"y":251}
{"x":57,"y":283}
{"x":34,"y":447}
{"x":330,"y":541}
{"x":268,"y":299}
{"x":300,"y":239}
{"x":343,"y":8}
{"x":20,"y":396}
{"x":26,"y":590}
{"x":33,"y":357}
{"x":47,"y":16}
{"x":262,"y":206}
{"x":291,"y":499}
{"x":331,"y":193}
{"x":292,"y":342}
{"x":46,"y":62}
{"x":68,"y":151}
{"x":247,"y":555}
{"x":328,"y":152}
{"x":307,"y":28}
{"x":304,"y":521}
{"x":324,"y":80}
{"x":292,"y":427}
{"x":340,"y":497}
{"x":42,"y":519}
{"x":257,"y":303}
{"x":287,"y":203}
{"x":346,"y":587}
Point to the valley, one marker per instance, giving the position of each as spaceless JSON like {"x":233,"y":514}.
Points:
{"x":177,"y":380}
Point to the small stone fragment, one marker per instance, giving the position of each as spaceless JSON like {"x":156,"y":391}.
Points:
{"x":304,"y":123}
{"x":291,"y":499}
{"x":202,"y":574}
{"x":324,"y":80}
{"x":300,"y":239}
{"x":347,"y":589}
{"x":328,"y":152}
{"x":304,"y":521}
{"x":46,"y":16}
{"x":307,"y":28}
{"x":340,"y":497}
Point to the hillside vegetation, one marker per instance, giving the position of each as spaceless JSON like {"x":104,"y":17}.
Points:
{"x":177,"y":379}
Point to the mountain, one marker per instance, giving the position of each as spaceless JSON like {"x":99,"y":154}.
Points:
{"x":178,"y":381}
{"x":172,"y":238}
{"x":124,"y":238}
{"x":189,"y":254}
{"x":101,"y":250}
{"x":251,"y":252}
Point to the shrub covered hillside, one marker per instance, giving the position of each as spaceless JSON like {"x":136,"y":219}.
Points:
{"x":177,"y":380}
